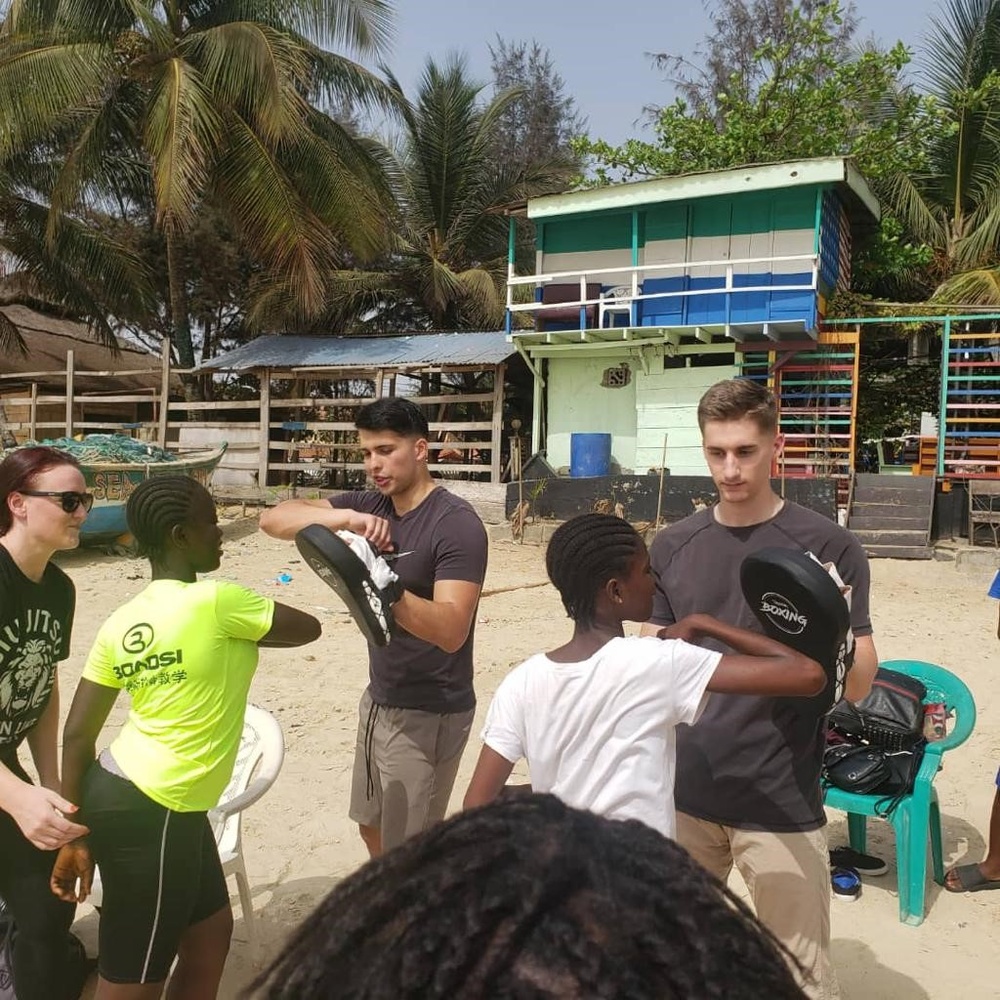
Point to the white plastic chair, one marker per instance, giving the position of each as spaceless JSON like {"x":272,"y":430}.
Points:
{"x":258,"y":762}
{"x":261,"y":754}
{"x":613,"y":302}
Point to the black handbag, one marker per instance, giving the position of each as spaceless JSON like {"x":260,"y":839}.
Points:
{"x":859,"y":769}
{"x":891,"y":716}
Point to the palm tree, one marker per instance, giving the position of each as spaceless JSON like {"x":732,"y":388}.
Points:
{"x":447,"y":268}
{"x":78,"y":270}
{"x":205,"y":100}
{"x":953,"y":203}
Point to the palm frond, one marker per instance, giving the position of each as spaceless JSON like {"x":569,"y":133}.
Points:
{"x":905,"y":198}
{"x":962,"y":47}
{"x":271,"y":214}
{"x":259,"y":71}
{"x":972,"y":288}
{"x":363,"y":26}
{"x":43,"y":84}
{"x":11,"y":341}
{"x":181,"y":131}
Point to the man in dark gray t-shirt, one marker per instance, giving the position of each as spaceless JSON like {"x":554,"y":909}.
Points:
{"x":748,"y":772}
{"x":415,"y":715}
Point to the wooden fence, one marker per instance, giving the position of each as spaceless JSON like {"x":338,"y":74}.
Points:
{"x":274,"y":436}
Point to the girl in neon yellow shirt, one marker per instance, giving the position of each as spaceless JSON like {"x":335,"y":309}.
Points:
{"x":186,"y":651}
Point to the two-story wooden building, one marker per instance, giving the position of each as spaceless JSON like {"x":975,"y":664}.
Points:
{"x":644,"y":294}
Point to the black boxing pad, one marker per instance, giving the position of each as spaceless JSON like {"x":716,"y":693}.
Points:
{"x":337,"y":565}
{"x":798,"y":603}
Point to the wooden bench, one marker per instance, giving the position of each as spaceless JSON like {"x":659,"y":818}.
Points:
{"x":984,"y":507}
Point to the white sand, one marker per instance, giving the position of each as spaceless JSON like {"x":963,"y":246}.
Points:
{"x":299,"y":842}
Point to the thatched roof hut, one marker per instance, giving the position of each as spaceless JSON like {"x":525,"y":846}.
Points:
{"x":49,"y":338}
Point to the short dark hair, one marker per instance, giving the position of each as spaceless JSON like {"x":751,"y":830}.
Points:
{"x":392,"y":413}
{"x":158,"y":505}
{"x":528,"y":897}
{"x":583,"y":554}
{"x":18,"y":471}
{"x":736,"y":398}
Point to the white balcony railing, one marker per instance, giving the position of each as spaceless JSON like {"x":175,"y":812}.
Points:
{"x":636,"y":274}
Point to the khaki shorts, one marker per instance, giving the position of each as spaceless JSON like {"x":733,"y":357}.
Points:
{"x":405,"y":764}
{"x":788,"y":875}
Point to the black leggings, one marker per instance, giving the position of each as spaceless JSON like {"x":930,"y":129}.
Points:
{"x":41,"y":947}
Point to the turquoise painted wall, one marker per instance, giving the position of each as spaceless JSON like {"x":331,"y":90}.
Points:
{"x":794,"y":208}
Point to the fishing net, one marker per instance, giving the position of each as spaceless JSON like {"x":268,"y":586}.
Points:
{"x":93,"y":448}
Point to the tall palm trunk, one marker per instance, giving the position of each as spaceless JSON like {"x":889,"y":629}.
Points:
{"x":180,"y":324}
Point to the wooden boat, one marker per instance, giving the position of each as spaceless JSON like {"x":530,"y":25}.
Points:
{"x":112,"y":483}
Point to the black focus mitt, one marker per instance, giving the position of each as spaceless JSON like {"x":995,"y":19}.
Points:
{"x":799,"y":603}
{"x":362,"y":578}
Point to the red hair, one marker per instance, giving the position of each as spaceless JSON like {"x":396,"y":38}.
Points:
{"x":18,"y":471}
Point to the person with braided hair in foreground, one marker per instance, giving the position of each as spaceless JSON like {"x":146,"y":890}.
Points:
{"x":186,"y":651}
{"x":595,"y":718}
{"x":529,"y":898}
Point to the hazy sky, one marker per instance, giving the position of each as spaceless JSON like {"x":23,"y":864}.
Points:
{"x":598,"y":47}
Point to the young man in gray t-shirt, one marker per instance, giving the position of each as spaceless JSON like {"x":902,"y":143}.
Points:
{"x":415,"y":715}
{"x":748,"y":772}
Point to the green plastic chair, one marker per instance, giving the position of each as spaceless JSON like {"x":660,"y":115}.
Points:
{"x":918,"y":813}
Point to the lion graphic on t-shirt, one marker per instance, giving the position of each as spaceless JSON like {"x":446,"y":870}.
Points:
{"x":27,"y":679}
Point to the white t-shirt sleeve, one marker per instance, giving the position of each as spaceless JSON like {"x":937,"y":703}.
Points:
{"x":691,"y":668}
{"x":504,"y":729}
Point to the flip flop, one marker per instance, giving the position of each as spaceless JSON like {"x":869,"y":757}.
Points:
{"x":970,"y":879}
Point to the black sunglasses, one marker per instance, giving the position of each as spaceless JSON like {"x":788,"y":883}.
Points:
{"x":69,"y":500}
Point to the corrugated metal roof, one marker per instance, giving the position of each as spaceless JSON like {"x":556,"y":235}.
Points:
{"x":489,"y":348}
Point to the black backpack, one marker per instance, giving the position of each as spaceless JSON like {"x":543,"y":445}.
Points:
{"x":875,"y":746}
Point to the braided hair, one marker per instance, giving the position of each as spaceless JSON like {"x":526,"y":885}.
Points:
{"x":528,"y":898}
{"x":583,"y":554}
{"x":158,"y":505}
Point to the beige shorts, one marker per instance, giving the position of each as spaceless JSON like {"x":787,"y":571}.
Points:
{"x":788,"y":875}
{"x":405,"y":764}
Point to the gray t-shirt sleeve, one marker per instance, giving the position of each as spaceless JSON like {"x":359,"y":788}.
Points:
{"x":460,"y":548}
{"x":852,"y":566}
{"x":854,"y":569}
{"x":360,"y":500}
{"x":663,"y":613}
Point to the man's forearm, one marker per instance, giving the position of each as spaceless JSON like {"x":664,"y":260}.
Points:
{"x":288,"y":518}
{"x":742,"y":640}
{"x":437,"y":622}
{"x":859,"y":678}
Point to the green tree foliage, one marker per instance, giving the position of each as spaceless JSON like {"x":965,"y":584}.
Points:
{"x":447,"y":269}
{"x":541,"y":121}
{"x":740,"y":29}
{"x":954,"y":203}
{"x":196,"y":103}
{"x":799,"y":98}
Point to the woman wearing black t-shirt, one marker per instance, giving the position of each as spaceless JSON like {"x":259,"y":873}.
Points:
{"x":42,"y":505}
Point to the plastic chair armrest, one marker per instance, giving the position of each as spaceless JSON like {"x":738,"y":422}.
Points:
{"x":247,"y":797}
{"x":930,"y":765}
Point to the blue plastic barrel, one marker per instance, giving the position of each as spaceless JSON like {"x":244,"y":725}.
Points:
{"x":589,"y":455}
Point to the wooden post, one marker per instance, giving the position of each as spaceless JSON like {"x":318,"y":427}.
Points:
{"x":161,"y":433}
{"x":265,"y":426}
{"x":497,"y":433}
{"x":69,"y":394}
{"x":379,"y":381}
{"x":33,"y":412}
{"x":659,"y":495}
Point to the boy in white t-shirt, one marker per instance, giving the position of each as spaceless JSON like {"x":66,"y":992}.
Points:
{"x":595,"y":718}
